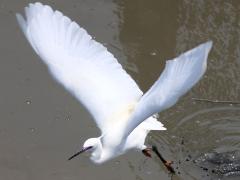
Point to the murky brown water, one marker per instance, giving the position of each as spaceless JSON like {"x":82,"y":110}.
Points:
{"x":41,"y":124}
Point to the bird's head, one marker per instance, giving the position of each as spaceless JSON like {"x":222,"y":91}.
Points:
{"x":92,"y":145}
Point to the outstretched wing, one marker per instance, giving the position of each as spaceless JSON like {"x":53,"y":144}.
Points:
{"x":179,"y":75}
{"x":82,"y":65}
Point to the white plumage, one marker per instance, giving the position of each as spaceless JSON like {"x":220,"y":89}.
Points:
{"x":92,"y":74}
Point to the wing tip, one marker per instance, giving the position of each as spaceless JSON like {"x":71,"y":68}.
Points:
{"x":208,"y":45}
{"x":21,"y":21}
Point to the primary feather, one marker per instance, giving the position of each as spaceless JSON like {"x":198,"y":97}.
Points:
{"x":179,"y":75}
{"x":82,"y":65}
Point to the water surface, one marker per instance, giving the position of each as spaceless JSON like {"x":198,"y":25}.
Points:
{"x":41,"y":124}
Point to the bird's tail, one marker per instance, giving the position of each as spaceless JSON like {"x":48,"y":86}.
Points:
{"x":152,"y":124}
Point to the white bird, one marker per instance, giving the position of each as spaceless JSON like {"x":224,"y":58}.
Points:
{"x":87,"y":70}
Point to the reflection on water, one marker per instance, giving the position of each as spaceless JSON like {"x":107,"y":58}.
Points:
{"x":225,"y":164}
{"x":37,"y":134}
{"x":213,"y":129}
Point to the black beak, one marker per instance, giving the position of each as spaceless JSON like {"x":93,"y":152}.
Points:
{"x":80,"y":152}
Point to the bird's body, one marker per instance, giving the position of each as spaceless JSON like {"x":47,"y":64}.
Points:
{"x":86,"y":69}
{"x":116,"y":123}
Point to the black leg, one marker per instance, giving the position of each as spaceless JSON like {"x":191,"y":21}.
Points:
{"x":147,"y":151}
{"x":166,"y":163}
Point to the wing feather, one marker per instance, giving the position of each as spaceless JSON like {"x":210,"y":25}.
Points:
{"x":179,"y":75}
{"x":82,"y":65}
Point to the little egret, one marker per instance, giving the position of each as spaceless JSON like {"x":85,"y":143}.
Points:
{"x":90,"y":73}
